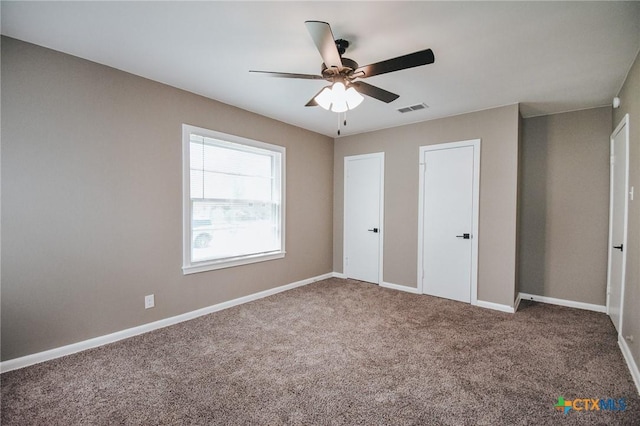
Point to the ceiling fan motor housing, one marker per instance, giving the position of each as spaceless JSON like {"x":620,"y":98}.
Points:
{"x":348,"y":66}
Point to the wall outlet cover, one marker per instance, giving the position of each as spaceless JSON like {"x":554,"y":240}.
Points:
{"x":149,"y":301}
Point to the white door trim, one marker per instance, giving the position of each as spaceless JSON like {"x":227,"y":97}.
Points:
{"x":624,"y":124}
{"x":379,"y":155}
{"x":475,"y":143}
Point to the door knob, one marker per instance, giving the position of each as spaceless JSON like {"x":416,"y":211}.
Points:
{"x":464,"y":236}
{"x":374,"y":230}
{"x":620,"y":247}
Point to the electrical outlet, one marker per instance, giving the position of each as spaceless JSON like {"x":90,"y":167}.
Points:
{"x":149,"y":301}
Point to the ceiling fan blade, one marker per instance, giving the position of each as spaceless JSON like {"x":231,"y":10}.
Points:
{"x":290,"y":75}
{"x":323,"y":38}
{"x":374,"y":92}
{"x":416,"y":59}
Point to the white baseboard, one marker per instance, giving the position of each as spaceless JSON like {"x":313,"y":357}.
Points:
{"x":495,"y":306}
{"x":516,"y":304}
{"x":633,"y":367}
{"x":563,"y":302}
{"x":400,"y":287}
{"x":50,"y":354}
{"x":384,"y":284}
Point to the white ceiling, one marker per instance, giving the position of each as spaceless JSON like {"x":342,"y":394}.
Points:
{"x":549,"y":56}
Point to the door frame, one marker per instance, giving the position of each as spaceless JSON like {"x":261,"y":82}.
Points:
{"x":476,"y":144}
{"x":379,"y":155}
{"x":623,"y":125}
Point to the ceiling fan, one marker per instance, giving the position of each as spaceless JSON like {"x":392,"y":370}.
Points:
{"x":344,"y":73}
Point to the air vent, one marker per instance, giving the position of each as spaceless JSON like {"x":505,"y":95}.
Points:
{"x":413,"y":108}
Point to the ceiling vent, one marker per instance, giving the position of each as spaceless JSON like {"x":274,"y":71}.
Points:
{"x":413,"y":108}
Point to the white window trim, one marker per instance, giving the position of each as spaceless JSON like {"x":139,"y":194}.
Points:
{"x":191,"y":268}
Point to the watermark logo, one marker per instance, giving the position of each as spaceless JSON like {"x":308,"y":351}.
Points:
{"x":590,"y":404}
{"x":563,"y":405}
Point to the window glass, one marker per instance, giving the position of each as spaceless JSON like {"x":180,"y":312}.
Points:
{"x":234,"y":205}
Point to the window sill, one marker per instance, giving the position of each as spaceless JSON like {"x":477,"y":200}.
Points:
{"x":226,"y":263}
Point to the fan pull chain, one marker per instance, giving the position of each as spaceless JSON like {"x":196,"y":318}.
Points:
{"x":342,"y":120}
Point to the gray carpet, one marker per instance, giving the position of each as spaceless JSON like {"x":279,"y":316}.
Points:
{"x":338,"y":352}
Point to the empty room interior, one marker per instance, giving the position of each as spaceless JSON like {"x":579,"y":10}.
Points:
{"x":320,"y":212}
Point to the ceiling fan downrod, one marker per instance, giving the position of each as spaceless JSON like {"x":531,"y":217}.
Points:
{"x":342,"y":46}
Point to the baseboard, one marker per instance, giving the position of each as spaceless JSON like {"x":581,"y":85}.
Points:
{"x":50,"y":354}
{"x":400,"y":287}
{"x":633,"y":367}
{"x":516,"y":304}
{"x":405,"y":288}
{"x":495,"y":306}
{"x":563,"y":302}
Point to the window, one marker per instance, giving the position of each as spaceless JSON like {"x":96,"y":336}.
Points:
{"x":233,"y":200}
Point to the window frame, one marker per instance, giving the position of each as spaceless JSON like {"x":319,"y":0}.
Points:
{"x":189,"y":267}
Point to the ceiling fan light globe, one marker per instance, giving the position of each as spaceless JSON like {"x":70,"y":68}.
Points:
{"x":353,"y":98}
{"x":324,"y":98}
{"x":339,"y":97}
{"x":339,"y":92}
{"x":339,"y":105}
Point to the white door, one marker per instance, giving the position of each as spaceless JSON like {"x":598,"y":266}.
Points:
{"x":449,"y":220}
{"x":363,"y":210}
{"x":618,"y":209}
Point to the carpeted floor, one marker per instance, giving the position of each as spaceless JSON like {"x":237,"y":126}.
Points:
{"x":339,"y":352}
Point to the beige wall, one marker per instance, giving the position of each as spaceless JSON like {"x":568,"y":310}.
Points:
{"x":565,"y":205}
{"x":630,"y":104}
{"x":498,"y":130}
{"x":91,"y":201}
